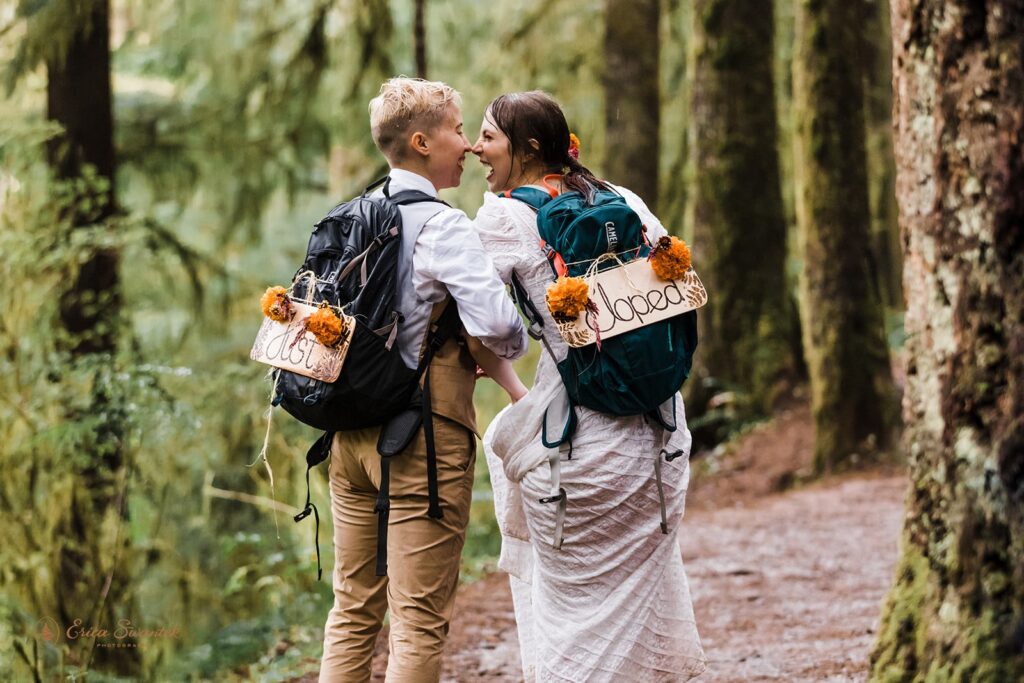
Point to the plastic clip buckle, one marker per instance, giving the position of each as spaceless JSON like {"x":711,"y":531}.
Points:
{"x":669,"y":457}
{"x":554,"y":499}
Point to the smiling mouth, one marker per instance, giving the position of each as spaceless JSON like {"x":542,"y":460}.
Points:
{"x":490,"y":169}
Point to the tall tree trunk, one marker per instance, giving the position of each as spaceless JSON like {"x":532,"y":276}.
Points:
{"x":876,"y":59}
{"x":92,"y":582}
{"x":675,"y":88}
{"x":632,"y":108}
{"x":844,"y":337}
{"x":737,"y":199}
{"x":956,"y":611}
{"x":419,"y":36}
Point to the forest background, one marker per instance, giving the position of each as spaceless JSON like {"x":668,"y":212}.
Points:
{"x":162,"y":162}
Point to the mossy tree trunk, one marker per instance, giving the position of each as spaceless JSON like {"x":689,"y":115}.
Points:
{"x":876,"y":59}
{"x":843,"y":329}
{"x":632,"y":109}
{"x":956,"y":610}
{"x":738,"y":214}
{"x":92,"y":579}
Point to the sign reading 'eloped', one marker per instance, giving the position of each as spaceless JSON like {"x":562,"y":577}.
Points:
{"x":631,"y":296}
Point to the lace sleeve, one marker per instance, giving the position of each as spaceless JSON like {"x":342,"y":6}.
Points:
{"x":501,"y":236}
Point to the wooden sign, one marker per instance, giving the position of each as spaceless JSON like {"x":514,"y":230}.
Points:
{"x":631,"y":296}
{"x":290,"y":347}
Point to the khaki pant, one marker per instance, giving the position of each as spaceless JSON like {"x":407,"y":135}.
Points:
{"x":423,"y":554}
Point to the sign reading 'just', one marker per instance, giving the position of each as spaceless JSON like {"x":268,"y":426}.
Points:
{"x":290,"y":346}
{"x":631,"y":296}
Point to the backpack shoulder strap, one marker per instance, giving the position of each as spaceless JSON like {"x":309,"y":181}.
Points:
{"x":533,"y":197}
{"x":414,"y":197}
{"x":401,"y":198}
{"x":384,"y":180}
{"x":529,"y":310}
{"x":443,"y":324}
{"x":536,"y":198}
{"x":442,"y":328}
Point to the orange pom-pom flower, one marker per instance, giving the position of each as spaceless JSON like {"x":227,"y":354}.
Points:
{"x":670,"y":258}
{"x":325,"y":325}
{"x":277,"y":305}
{"x":567,"y":297}
{"x":574,"y":146}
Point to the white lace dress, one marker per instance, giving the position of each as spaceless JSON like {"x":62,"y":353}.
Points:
{"x":613,"y":603}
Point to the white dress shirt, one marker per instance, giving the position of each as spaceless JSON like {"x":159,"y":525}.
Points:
{"x":441,"y":253}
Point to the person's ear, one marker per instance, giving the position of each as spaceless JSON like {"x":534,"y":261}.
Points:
{"x":535,"y":147}
{"x":419,"y":143}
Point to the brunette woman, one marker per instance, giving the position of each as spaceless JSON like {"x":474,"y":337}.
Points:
{"x":612,"y":603}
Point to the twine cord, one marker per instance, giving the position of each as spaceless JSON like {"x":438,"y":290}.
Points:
{"x":263,"y":451}
{"x":310,"y":288}
{"x":591,"y":273}
{"x":634,"y":251}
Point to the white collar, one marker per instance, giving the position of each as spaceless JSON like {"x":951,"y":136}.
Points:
{"x":407,"y":180}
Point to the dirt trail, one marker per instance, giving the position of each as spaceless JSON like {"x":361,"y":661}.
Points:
{"x":791,"y":588}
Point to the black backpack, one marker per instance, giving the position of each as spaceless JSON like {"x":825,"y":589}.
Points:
{"x":353,"y":253}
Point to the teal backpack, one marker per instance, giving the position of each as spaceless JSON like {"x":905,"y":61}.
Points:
{"x":632,"y":373}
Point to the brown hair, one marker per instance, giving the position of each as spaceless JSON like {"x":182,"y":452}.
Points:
{"x":535,"y":114}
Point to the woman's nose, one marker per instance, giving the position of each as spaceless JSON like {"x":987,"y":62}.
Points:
{"x":478,"y":148}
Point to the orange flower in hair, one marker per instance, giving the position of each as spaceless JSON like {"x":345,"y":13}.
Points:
{"x":277,"y":305}
{"x":574,"y":146}
{"x":567,"y":297}
{"x":670,"y":258}
{"x":325,"y":325}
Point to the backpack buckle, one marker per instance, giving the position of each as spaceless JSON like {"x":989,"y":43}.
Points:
{"x":557,"y":262}
{"x":554,"y":499}
{"x":669,"y":457}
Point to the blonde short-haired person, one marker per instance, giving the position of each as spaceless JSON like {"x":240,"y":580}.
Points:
{"x":417,"y":125}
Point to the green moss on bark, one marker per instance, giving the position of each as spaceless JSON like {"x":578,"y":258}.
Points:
{"x":929,"y":634}
{"x":738,"y":214}
{"x":844,"y":339}
{"x":876,"y":63}
{"x":960,"y":156}
{"x":898,"y":650}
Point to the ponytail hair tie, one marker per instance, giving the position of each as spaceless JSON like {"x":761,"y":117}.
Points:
{"x":574,"y":146}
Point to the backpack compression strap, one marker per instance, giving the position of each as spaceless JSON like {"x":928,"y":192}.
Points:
{"x":316,"y":454}
{"x":400,"y":199}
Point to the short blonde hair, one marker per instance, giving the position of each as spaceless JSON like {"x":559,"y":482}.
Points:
{"x":404,"y":102}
